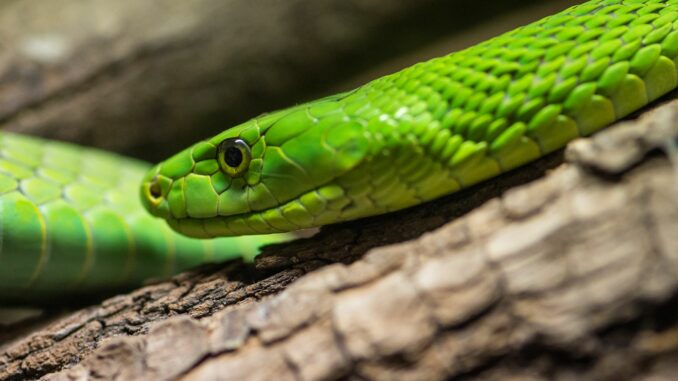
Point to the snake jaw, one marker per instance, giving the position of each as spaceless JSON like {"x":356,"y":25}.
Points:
{"x":324,"y":205}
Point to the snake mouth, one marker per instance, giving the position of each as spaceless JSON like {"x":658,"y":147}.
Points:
{"x":319,"y":206}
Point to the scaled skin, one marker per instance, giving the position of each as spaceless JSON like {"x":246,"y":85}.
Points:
{"x":71,"y":226}
{"x":428,"y":130}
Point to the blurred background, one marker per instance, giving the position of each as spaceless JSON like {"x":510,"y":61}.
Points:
{"x":147,"y":78}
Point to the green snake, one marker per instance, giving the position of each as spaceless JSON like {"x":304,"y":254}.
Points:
{"x":72,"y":224}
{"x":69,"y":219}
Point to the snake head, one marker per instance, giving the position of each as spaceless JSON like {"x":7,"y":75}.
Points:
{"x":274,"y":173}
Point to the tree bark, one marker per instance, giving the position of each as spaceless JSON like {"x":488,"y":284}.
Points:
{"x":572,"y":276}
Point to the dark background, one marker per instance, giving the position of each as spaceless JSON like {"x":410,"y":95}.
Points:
{"x":147,"y":78}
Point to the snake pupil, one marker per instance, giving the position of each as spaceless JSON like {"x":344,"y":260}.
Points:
{"x":233,"y":156}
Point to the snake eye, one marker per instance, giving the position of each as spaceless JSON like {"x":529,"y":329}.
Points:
{"x":233,"y":156}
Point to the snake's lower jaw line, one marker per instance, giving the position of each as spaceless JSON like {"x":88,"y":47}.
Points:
{"x":326,"y":204}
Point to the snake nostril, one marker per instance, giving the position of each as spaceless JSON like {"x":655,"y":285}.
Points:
{"x":155,"y":190}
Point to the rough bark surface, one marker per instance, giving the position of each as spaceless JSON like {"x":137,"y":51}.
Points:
{"x":145,"y":77}
{"x":572,"y":276}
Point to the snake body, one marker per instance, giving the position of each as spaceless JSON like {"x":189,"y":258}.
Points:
{"x":70,"y":218}
{"x":426,"y":131}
